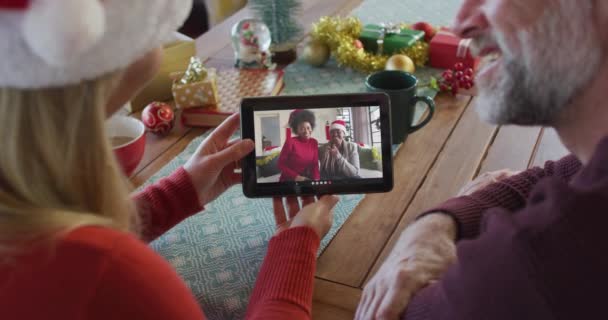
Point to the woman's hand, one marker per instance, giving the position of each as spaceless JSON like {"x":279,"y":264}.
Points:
{"x":212,"y":165}
{"x":316,"y":215}
{"x":334,"y":152}
{"x":301,"y":178}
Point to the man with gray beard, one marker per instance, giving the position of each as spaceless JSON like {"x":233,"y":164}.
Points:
{"x":529,"y":245}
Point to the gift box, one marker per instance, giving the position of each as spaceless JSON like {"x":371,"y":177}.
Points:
{"x":197,"y":94}
{"x":394,"y":38}
{"x":447,"y":49}
{"x":197,"y":87}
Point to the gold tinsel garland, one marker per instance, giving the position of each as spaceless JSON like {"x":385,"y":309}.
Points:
{"x":340,"y":35}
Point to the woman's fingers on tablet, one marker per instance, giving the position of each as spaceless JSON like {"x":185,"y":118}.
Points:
{"x":293,"y":206}
{"x":281,"y":217}
{"x":279,"y":211}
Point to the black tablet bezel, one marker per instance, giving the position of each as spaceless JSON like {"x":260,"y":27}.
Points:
{"x":252,"y":189}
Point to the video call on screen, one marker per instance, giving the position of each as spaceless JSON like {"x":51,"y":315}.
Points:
{"x":318,"y":146}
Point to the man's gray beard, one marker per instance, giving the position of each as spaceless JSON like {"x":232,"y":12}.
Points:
{"x":536,"y":91}
{"x":516,"y":100}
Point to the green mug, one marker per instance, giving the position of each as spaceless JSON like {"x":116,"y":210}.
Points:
{"x":401,"y":88}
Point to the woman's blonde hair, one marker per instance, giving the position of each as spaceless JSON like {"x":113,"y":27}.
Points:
{"x":57,"y":170}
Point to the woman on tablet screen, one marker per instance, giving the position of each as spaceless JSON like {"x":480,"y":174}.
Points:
{"x":299,"y":159}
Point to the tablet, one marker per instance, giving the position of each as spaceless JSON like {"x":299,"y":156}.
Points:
{"x":318,"y":144}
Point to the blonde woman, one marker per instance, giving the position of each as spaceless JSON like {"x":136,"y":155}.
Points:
{"x":72,"y":242}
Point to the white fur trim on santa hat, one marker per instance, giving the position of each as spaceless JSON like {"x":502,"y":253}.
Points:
{"x":338,"y":124}
{"x":59,"y":30}
{"x":39,"y":49}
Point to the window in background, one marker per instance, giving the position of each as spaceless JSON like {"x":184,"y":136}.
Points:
{"x":374,"y":117}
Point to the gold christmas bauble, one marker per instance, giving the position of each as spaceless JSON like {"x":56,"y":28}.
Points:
{"x":400,"y":62}
{"x":316,"y":53}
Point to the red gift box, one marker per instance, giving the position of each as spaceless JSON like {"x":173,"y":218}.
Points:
{"x":447,"y":49}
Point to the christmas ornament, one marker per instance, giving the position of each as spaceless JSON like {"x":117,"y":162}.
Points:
{"x":316,"y":53}
{"x":429,"y":31}
{"x":358,"y":44}
{"x":459,"y":77}
{"x":158,"y":117}
{"x":400,"y":62}
{"x":251,"y":41}
{"x":340,"y":35}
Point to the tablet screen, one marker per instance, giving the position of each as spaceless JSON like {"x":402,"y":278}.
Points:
{"x":317,"y":144}
{"x":320,"y":146}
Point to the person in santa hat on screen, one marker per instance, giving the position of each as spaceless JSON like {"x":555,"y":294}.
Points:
{"x":73,"y":243}
{"x":339,"y":158}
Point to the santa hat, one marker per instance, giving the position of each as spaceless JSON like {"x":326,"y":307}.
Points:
{"x":338,"y":124}
{"x":49,"y":43}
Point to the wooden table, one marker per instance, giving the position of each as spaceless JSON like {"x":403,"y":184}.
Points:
{"x":430,"y":167}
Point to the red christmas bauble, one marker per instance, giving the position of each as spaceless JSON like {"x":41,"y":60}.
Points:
{"x":158,"y":117}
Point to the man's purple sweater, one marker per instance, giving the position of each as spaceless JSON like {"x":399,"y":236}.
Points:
{"x":532,"y":246}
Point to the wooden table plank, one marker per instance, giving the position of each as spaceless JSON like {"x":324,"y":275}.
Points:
{"x":550,"y":147}
{"x":339,"y":295}
{"x":375,"y":218}
{"x":512,"y":149}
{"x":456,"y":165}
{"x":166,"y":157}
{"x":322,"y":311}
{"x":157,"y":145}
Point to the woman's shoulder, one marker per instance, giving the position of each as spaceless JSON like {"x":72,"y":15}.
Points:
{"x":95,"y":238}
{"x":112,"y":254}
{"x":289,"y":142}
{"x":107,"y":267}
{"x":113,"y":246}
{"x":313,"y":141}
{"x":78,"y":259}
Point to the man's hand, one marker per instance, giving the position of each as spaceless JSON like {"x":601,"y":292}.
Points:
{"x":212,"y":165}
{"x":485,"y":180}
{"x":316,"y":215}
{"x":334,"y":152}
{"x":301,"y":178}
{"x":421,"y":255}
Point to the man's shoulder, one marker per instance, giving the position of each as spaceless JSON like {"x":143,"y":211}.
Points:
{"x":351,"y":146}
